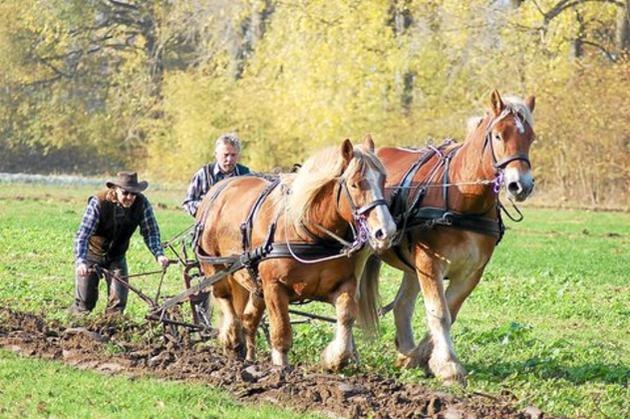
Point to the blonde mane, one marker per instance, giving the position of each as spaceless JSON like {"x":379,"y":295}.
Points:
{"x":518,"y":107}
{"x":317,"y":172}
{"x":513,"y":104}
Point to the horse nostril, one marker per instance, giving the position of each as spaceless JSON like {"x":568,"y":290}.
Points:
{"x":514,"y":188}
{"x":379,"y":234}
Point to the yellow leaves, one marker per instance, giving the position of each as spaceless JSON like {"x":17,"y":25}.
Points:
{"x":197,"y":111}
{"x":319,"y":72}
{"x":323,"y":68}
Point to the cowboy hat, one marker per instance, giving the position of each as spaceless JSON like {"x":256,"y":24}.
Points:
{"x":128,"y":181}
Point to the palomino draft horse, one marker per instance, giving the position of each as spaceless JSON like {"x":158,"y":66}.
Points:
{"x":445,"y":201}
{"x":298,"y":223}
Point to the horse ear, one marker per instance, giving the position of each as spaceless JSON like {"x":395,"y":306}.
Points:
{"x":368,"y":143}
{"x":496,"y":103}
{"x":531,"y":103}
{"x":347,"y":150}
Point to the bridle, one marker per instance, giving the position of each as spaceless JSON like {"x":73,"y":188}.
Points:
{"x":500,"y":165}
{"x":357,"y":212}
{"x":359,"y":226}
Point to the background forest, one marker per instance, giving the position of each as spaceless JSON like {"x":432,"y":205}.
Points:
{"x":92,"y":86}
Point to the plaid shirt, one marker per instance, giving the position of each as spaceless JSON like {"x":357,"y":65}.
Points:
{"x":148,"y":228}
{"x":203,"y":180}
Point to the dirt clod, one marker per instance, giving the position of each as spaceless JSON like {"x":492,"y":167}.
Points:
{"x":252,"y":374}
{"x":532,"y":412}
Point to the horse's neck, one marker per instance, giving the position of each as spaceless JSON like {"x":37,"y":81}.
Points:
{"x":324,"y":213}
{"x":472,"y":169}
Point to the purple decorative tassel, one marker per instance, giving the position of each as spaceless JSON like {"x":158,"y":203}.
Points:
{"x":498,"y":181}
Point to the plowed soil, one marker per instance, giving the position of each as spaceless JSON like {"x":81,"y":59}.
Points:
{"x":303,"y":388}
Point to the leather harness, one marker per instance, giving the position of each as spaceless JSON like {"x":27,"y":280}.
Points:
{"x":271,"y":249}
{"x":409,"y":213}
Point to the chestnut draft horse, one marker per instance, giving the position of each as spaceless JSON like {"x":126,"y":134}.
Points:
{"x":446,"y":205}
{"x":290,"y":224}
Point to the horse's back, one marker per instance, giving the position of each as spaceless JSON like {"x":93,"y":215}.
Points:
{"x":396,"y":161}
{"x":226,"y":211}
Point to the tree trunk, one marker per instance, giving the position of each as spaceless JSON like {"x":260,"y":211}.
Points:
{"x":623,"y":28}
{"x":401,"y":19}
{"x":252,"y":30}
{"x":578,"y":43}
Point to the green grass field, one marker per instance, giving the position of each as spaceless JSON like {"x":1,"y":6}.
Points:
{"x":550,"y":321}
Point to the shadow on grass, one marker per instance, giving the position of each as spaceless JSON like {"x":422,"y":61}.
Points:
{"x":546,"y":369}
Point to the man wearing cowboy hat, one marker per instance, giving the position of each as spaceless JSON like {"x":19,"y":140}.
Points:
{"x":110,"y":220}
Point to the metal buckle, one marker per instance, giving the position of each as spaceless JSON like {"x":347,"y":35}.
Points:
{"x":446,"y":219}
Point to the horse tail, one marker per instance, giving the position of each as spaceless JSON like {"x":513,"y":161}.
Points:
{"x":369,"y":300}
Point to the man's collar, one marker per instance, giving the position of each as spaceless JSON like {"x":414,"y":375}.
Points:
{"x":216,"y":170}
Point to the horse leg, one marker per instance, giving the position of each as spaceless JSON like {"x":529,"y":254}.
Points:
{"x":404,"y":307}
{"x":341,"y":349}
{"x":251,"y":318}
{"x":230,"y":333}
{"x":443,"y":362}
{"x":277,"y":303}
{"x":458,"y":290}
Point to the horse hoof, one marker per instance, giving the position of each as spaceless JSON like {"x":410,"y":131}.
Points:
{"x":235,"y":352}
{"x":410,"y":361}
{"x":461,"y":381}
{"x":336,"y":363}
{"x":327,"y":365}
{"x":405,"y":362}
{"x":415,"y":358}
{"x":451,"y":373}
{"x":280,"y":371}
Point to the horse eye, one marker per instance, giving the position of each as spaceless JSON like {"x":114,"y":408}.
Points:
{"x":497,"y":137}
{"x":354,"y":186}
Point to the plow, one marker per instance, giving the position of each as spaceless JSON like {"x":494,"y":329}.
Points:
{"x":167,"y":310}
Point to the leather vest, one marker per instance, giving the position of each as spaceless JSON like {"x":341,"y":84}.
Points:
{"x":115,"y":227}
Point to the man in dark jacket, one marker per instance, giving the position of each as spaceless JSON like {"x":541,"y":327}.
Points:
{"x":110,"y":219}
{"x":227,"y":151}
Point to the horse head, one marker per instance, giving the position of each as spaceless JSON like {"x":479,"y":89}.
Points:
{"x":360,"y":196}
{"x":509,"y":135}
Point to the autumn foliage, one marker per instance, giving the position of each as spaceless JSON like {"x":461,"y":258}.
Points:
{"x":150,"y":84}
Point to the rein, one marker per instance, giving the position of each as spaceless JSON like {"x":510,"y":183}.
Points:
{"x":359,"y":227}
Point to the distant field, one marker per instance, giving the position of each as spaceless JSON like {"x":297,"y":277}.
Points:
{"x":550,"y":321}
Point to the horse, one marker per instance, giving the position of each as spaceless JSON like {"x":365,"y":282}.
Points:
{"x":296,"y":225}
{"x":446,"y":203}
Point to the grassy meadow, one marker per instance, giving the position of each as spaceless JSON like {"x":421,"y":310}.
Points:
{"x":549,"y":323}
